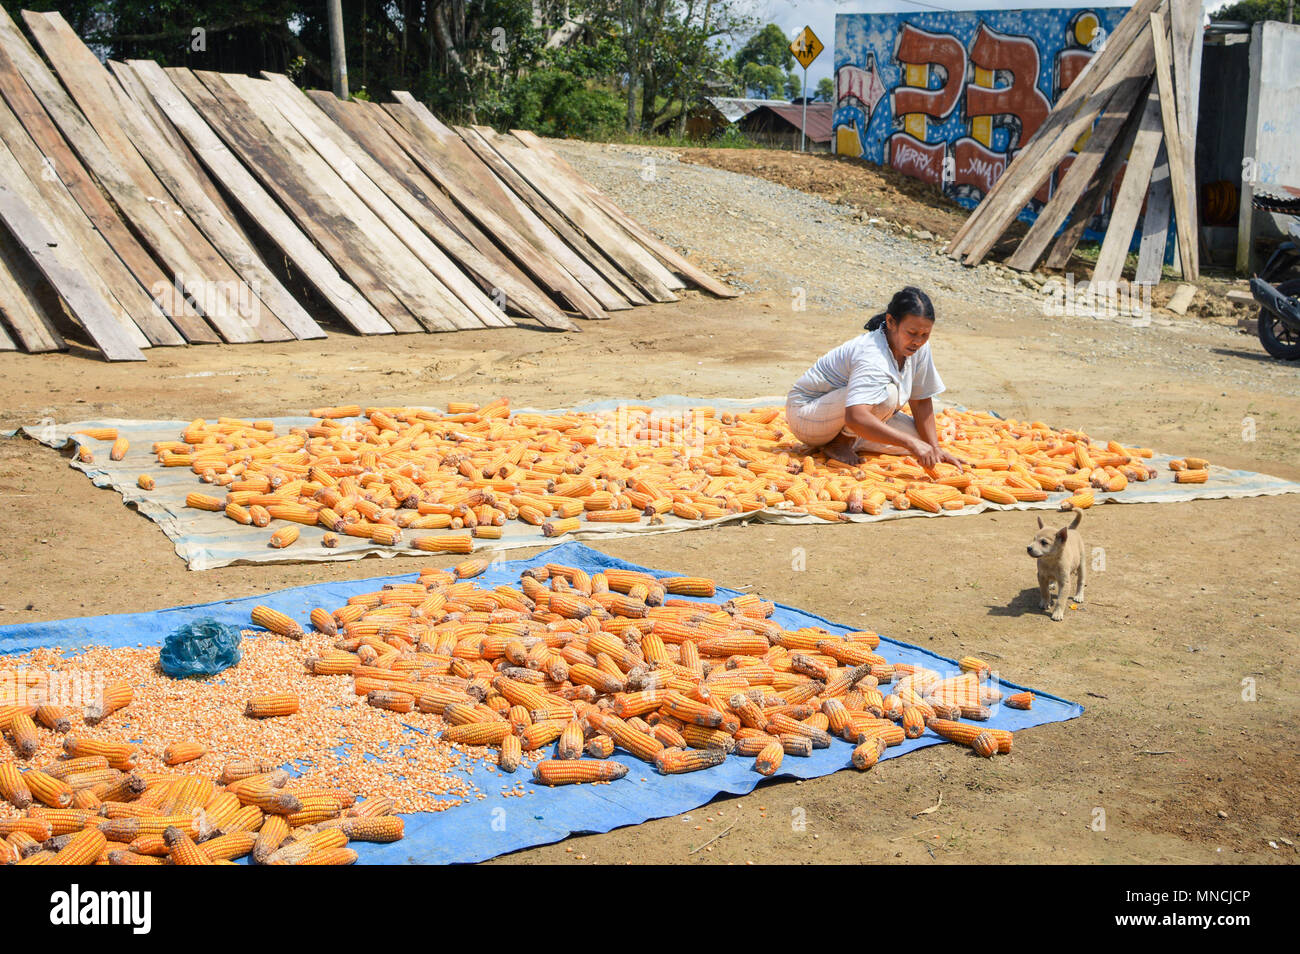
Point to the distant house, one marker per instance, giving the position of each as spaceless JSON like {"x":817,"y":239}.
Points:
{"x":778,"y":125}
{"x":712,"y":114}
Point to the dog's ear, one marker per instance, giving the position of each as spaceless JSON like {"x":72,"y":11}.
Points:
{"x":1040,"y":523}
{"x":1062,"y":533}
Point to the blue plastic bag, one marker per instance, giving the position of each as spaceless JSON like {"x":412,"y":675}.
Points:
{"x":201,"y":648}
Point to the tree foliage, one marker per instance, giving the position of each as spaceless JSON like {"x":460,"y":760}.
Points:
{"x":1252,"y":11}
{"x":556,"y":66}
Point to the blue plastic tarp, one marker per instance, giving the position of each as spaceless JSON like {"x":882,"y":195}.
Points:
{"x":484,"y":828}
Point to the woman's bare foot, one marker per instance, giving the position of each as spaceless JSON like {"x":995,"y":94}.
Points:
{"x":841,"y":449}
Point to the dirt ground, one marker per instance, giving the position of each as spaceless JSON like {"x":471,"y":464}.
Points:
{"x":1170,"y":762}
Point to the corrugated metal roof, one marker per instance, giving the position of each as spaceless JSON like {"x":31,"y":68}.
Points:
{"x":733,"y":108}
{"x":819,"y":118}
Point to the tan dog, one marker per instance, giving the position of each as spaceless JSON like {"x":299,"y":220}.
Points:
{"x":1061,"y":559}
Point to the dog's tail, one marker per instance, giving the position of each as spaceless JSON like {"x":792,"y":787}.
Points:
{"x":1078,"y":519}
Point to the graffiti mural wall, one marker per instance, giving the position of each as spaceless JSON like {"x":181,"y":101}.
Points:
{"x":950,"y":97}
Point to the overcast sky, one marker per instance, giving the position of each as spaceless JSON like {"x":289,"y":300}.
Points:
{"x":794,"y":15}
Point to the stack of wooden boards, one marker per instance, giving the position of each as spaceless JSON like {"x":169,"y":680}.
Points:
{"x":1135,"y":102}
{"x":160,"y":206}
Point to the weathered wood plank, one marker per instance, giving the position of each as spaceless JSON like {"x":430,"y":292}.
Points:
{"x":132,"y":87}
{"x":668,"y":255}
{"x":385,"y":135}
{"x":1099,"y":188}
{"x":620,"y":292}
{"x":408,"y":278}
{"x":21,"y":301}
{"x":310,"y":207}
{"x":180,"y":203}
{"x":26,"y":217}
{"x":150,"y":221}
{"x":1128,"y":204}
{"x":293,"y":105}
{"x":1134,"y":63}
{"x":1080,"y":174}
{"x":351,"y":306}
{"x":375,"y":153}
{"x":1184,"y":204}
{"x":138,"y":310}
{"x":479,"y":196}
{"x":612,"y":288}
{"x":1155,"y":222}
{"x":641,"y":267}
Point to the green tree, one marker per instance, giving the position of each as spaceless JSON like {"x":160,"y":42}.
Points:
{"x":1252,"y":11}
{"x":768,"y":47}
{"x":793,"y":85}
{"x":826,"y":89}
{"x":765,"y":82}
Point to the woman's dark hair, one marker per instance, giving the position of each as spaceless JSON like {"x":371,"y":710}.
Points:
{"x":910,"y":301}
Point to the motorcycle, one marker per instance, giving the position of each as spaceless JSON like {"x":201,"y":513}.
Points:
{"x":1277,"y":289}
{"x":1279,"y":317}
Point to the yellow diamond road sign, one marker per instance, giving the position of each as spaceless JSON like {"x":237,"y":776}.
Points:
{"x":806,"y":47}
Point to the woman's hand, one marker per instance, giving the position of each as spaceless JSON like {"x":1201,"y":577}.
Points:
{"x":927,"y":455}
{"x":950,"y":459}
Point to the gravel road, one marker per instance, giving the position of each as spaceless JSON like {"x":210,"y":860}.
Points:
{"x":771,"y":241}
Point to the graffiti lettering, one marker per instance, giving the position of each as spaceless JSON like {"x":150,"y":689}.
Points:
{"x":1021,"y":105}
{"x":966,"y":91}
{"x":920,"y":47}
{"x":922,"y":160}
{"x":977,"y":165}
{"x":863,"y":85}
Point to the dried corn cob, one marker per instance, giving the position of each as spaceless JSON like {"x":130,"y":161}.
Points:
{"x":276,"y":622}
{"x":568,"y":772}
{"x":268,"y":707}
{"x":180,"y":752}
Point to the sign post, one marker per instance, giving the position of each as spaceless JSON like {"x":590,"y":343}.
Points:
{"x":806,"y":48}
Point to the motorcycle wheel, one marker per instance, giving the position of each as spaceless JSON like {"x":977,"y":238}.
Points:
{"x":1279,"y":340}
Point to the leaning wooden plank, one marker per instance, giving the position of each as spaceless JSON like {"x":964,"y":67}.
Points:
{"x":577,"y":264}
{"x":470,"y":185}
{"x":1099,"y":188}
{"x":149,"y":220}
{"x":1185,"y":33}
{"x":1133,"y":64}
{"x":291,"y":104}
{"x":58,"y":160}
{"x":366,"y":124}
{"x":620,"y":293}
{"x":130,"y":85}
{"x":1079,"y":175}
{"x":1184,"y":204}
{"x":668,"y":255}
{"x":70,"y":250}
{"x":372,"y":154}
{"x":1155,"y":221}
{"x":414,"y":163}
{"x":351,"y":306}
{"x":179,"y":201}
{"x":643,"y":269}
{"x":88,"y":299}
{"x":1128,"y":204}
{"x":1001,"y":204}
{"x":95,"y":315}
{"x":420,"y":290}
{"x":138,"y":310}
{"x":21,"y":302}
{"x":6,"y":343}
{"x":309,"y":205}
{"x":598,"y":240}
